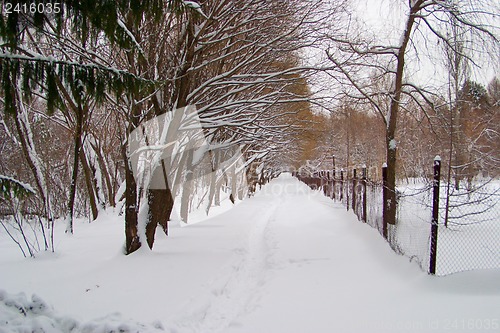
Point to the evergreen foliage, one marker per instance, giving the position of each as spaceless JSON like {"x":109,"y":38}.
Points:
{"x":12,"y":188}
{"x":29,"y":72}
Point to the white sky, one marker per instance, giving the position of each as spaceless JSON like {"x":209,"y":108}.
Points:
{"x":385,"y":18}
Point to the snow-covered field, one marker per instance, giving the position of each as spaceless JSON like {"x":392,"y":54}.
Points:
{"x":286,"y":260}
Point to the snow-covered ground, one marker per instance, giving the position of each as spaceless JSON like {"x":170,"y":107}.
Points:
{"x":472,"y":238}
{"x":286,"y":260}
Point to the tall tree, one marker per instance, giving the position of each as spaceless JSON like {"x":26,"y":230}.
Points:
{"x":45,"y":54}
{"x":355,"y":58}
{"x":224,"y":63}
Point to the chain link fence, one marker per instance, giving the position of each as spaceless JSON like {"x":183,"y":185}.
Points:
{"x":466,"y":229}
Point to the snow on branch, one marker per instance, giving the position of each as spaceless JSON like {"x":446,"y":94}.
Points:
{"x":13,"y":188}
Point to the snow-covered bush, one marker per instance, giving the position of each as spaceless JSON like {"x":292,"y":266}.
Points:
{"x":27,"y":233}
{"x":18,"y":314}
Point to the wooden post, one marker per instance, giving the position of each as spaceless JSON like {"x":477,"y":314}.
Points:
{"x":384,"y":198}
{"x":435,"y":215}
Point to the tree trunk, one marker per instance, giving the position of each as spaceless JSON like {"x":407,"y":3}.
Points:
{"x":391,"y":146}
{"x":161,"y":201}
{"x":105,"y":173}
{"x":168,"y":202}
{"x":234,"y":185}
{"x":132,"y":241}
{"x":160,"y":207}
{"x":218,"y":189}
{"x":187,"y":187}
{"x":160,"y":204}
{"x":91,"y":189}
{"x":214,"y":187}
{"x":74,"y":176}
{"x":459,"y":148}
{"x":390,"y":200}
{"x":28,"y":147}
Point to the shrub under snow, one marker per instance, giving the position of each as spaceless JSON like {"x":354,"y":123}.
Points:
{"x":18,"y":314}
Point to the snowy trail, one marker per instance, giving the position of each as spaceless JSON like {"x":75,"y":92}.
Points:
{"x":235,"y":290}
{"x":311,"y":266}
{"x":286,"y":260}
{"x":332,"y":273}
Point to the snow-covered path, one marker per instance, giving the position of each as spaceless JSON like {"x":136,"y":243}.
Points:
{"x":320,"y":270}
{"x":286,"y":260}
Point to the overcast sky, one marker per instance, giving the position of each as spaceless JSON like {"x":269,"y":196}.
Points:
{"x":385,"y":18}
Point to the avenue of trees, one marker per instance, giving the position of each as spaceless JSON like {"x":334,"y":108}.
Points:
{"x":77,"y":85}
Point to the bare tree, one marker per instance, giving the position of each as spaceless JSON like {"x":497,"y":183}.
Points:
{"x":355,"y":58}
{"x":226,"y":62}
{"x":54,"y":63}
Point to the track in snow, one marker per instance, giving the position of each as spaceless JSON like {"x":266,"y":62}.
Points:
{"x":236,"y":290}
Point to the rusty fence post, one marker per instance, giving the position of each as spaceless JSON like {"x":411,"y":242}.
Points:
{"x":334,"y":174}
{"x":334,"y":170}
{"x":334,"y":188}
{"x":435,"y":215}
{"x":325,"y":182}
{"x":384,"y":198}
{"x":354,"y":183}
{"x":365,"y":184}
{"x":342,"y":186}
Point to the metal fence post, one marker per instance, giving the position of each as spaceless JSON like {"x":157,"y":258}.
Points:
{"x":341,"y":185}
{"x":334,"y":171}
{"x":334,"y":174}
{"x":324,"y":182}
{"x":384,"y":198}
{"x":354,"y":181}
{"x":364,"y":182}
{"x":435,"y":215}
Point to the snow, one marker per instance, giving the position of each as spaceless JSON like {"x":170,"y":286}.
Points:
{"x":195,"y":6}
{"x":131,"y":36}
{"x":392,"y":144}
{"x":286,"y":260}
{"x":18,"y":314}
{"x":27,"y":187}
{"x":471,"y":240}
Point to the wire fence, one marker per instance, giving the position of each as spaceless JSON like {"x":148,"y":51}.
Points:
{"x":442,"y":228}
